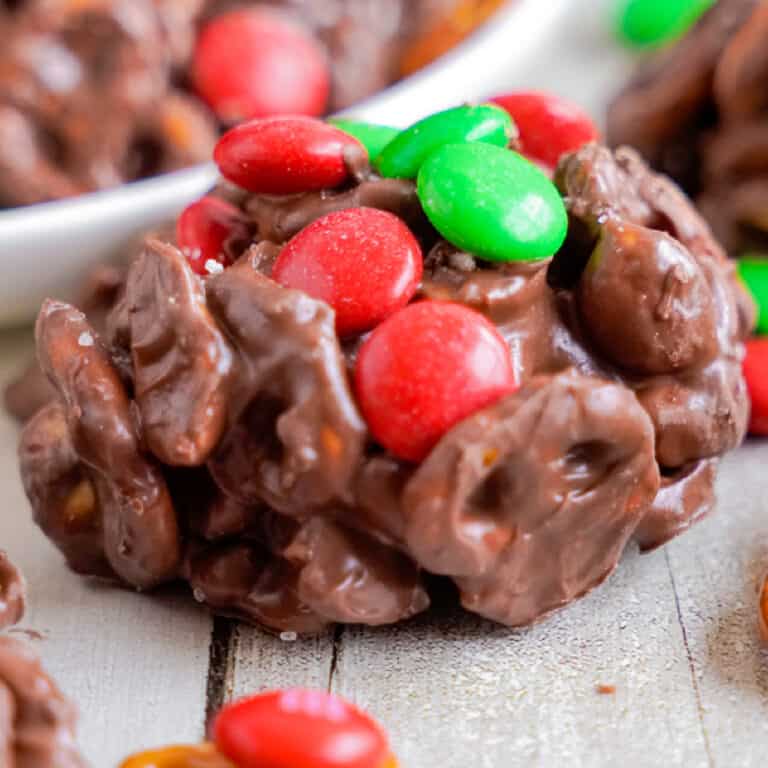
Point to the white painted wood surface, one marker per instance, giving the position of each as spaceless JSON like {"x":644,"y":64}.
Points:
{"x":673,"y":631}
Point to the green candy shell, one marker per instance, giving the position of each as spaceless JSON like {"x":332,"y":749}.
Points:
{"x":653,"y":22}
{"x":406,"y":153}
{"x":372,"y":136}
{"x":492,"y":202}
{"x":753,"y":271}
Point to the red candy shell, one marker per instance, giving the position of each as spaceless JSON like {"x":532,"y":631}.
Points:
{"x":549,"y":127}
{"x":284,"y":155}
{"x":364,"y":262}
{"x":203,"y":228}
{"x":255,"y":62}
{"x":425,"y":369}
{"x":299,"y":729}
{"x":756,"y":374}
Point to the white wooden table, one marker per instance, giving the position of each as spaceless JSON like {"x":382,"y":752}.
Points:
{"x":673,"y":631}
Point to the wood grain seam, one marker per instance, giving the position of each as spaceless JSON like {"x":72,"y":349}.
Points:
{"x":691,"y":664}
{"x":218,"y":684}
{"x":337,"y":648}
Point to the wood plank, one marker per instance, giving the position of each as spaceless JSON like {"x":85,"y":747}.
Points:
{"x":457,"y":691}
{"x":717,"y":567}
{"x":262,"y":661}
{"x":135,"y":664}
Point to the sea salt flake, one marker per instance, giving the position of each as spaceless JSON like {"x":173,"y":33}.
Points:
{"x":213,"y":267}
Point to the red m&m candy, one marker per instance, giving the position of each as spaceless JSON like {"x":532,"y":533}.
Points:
{"x":549,"y":127}
{"x":285,"y":155}
{"x":300,"y":729}
{"x":254,"y":62}
{"x":425,"y":369}
{"x":364,"y":262}
{"x":756,"y":375}
{"x":203,"y":229}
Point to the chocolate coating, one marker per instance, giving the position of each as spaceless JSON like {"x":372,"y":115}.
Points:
{"x":529,"y":503}
{"x":37,"y":722}
{"x":372,"y":584}
{"x":244,"y":581}
{"x":278,"y":219}
{"x":138,"y":522}
{"x":181,"y":363}
{"x":644,"y":298}
{"x":290,"y":382}
{"x":62,"y":495}
{"x":628,"y":345}
{"x":12,"y":592}
{"x":684,"y":498}
{"x":701,"y":410}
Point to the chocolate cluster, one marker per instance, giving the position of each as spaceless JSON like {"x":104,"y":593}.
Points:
{"x":37,"y":722}
{"x":97,"y":93}
{"x":699,"y":112}
{"x":207,"y":431}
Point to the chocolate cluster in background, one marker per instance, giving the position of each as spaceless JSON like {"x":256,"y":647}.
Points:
{"x":37,"y":722}
{"x":699,"y":112}
{"x":205,"y":429}
{"x":97,"y":93}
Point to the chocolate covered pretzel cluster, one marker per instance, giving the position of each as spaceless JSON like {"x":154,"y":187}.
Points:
{"x":37,"y":722}
{"x":96,"y":93}
{"x":698,"y":112}
{"x":210,"y":432}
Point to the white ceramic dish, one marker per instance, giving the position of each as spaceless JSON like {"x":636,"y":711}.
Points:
{"x":45,"y":248}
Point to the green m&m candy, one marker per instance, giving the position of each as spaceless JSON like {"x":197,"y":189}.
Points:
{"x":492,"y":202}
{"x":653,"y":22}
{"x":753,"y":271}
{"x":404,"y":155}
{"x":372,"y":136}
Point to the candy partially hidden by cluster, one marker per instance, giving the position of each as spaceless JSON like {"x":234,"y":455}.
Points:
{"x":653,"y":22}
{"x":462,"y":369}
{"x":179,"y":756}
{"x":762,"y":611}
{"x":548,"y":127}
{"x":756,"y":375}
{"x":372,"y":136}
{"x":294,"y":728}
{"x":208,"y":232}
{"x":409,"y":150}
{"x":753,"y":272}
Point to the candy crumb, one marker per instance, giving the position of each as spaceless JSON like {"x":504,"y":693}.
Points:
{"x":605,"y":690}
{"x":213,"y":267}
{"x":85,"y":339}
{"x":288,"y":637}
